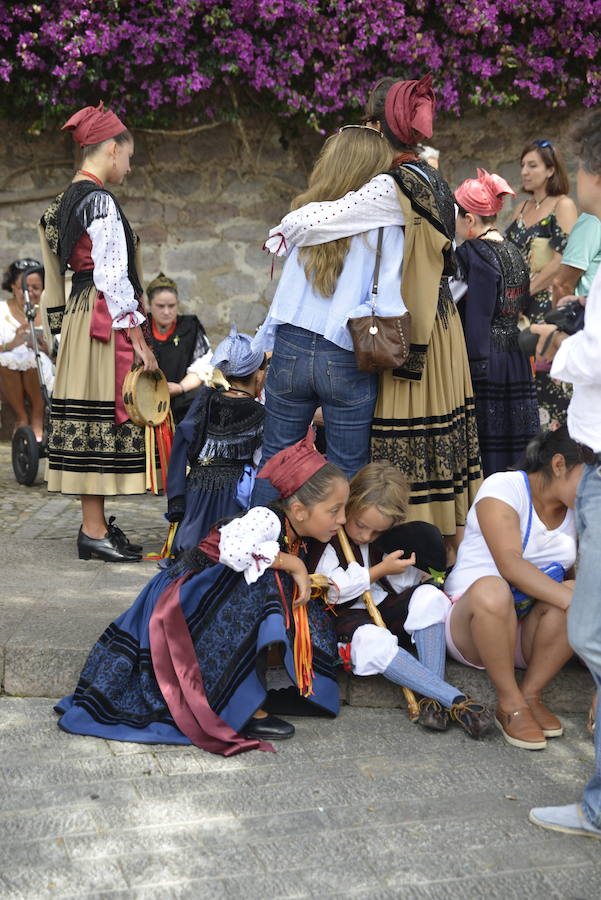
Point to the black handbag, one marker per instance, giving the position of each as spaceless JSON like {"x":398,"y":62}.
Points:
{"x":380,"y":342}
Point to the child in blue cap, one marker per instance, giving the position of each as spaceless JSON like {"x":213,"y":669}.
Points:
{"x":219,"y":439}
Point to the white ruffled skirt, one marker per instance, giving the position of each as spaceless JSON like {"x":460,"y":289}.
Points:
{"x":22,"y":358}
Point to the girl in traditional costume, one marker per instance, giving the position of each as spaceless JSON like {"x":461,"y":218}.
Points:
{"x":186,"y":664}
{"x":413,"y":612}
{"x":220,"y":439}
{"x":424,"y":420}
{"x":180,"y":345}
{"x":93,"y":449}
{"x":493,"y":296}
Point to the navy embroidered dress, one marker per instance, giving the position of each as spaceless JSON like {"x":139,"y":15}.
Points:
{"x":505,"y":393}
{"x":230,"y":624}
{"x":217,"y":438}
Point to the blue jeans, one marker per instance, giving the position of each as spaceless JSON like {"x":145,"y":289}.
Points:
{"x":584,"y":617}
{"x":306,"y":372}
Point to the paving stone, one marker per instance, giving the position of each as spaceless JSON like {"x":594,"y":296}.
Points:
{"x":581,"y":882}
{"x":36,"y":882}
{"x":46,"y":851}
{"x":283,"y":884}
{"x":174,"y":867}
{"x":35,"y":825}
{"x":137,"y":842}
{"x":144,"y":893}
{"x":379,"y":830}
{"x":517,"y":886}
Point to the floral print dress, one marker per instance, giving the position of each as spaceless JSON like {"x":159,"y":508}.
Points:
{"x":553,"y":396}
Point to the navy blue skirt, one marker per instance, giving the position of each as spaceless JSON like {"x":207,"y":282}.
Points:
{"x":506,"y":410}
{"x":231,"y":625}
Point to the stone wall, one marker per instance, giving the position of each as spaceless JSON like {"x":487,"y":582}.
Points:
{"x":203,"y":202}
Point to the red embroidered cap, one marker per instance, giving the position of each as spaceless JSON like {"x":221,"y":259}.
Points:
{"x":409,"y":109}
{"x":291,"y":468}
{"x":484,"y":195}
{"x":94,"y":124}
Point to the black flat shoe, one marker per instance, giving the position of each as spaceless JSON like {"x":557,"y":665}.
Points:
{"x":121,"y":538}
{"x":268,"y":729}
{"x":105,"y":548}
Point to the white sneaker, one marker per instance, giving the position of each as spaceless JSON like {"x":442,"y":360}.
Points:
{"x":567,"y":819}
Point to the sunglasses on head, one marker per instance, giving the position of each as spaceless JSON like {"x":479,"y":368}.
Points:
{"x":364,"y":127}
{"x":544,"y":144}
{"x":22,"y":264}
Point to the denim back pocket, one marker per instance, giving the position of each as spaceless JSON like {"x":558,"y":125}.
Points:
{"x":349,"y":385}
{"x":280,"y":374}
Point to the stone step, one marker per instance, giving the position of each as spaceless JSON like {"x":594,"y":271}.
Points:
{"x":44,"y":657}
{"x":569,"y":692}
{"x":53,"y":607}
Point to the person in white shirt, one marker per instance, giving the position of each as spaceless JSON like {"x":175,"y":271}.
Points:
{"x":577,"y":360}
{"x":511,"y":587}
{"x":321,"y":287}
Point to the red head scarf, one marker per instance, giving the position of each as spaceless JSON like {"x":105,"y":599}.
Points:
{"x":484,"y":195}
{"x":291,"y":468}
{"x":409,"y":109}
{"x":94,"y":124}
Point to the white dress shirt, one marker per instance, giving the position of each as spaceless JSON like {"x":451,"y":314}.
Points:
{"x":578,"y":361}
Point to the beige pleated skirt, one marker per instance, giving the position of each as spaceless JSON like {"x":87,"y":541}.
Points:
{"x":87,"y":452}
{"x":428,"y":429}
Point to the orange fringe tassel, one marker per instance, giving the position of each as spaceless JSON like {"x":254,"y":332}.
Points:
{"x":158,"y":438}
{"x":303,"y":651}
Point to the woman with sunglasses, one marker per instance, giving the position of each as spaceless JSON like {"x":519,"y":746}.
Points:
{"x":18,"y":371}
{"x":540,"y":229}
{"x":425,"y":419}
{"x":313,"y":363}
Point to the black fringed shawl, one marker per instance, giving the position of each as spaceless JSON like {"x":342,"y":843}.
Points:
{"x":68,"y":217}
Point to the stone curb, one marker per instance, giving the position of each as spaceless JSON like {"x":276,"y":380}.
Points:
{"x":37,"y":661}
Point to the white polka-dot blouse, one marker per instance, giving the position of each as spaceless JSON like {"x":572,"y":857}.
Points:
{"x":109,"y":253}
{"x":250,"y":544}
{"x":375,"y":204}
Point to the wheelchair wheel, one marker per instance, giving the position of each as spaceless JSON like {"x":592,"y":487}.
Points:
{"x":25,"y":455}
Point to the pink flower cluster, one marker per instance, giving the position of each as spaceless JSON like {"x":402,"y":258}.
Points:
{"x":316,"y":58}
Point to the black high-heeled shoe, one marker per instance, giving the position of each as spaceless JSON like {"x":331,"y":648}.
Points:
{"x":121,"y":538}
{"x":105,"y":548}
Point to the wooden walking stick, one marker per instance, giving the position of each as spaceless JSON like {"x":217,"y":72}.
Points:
{"x":412,"y":705}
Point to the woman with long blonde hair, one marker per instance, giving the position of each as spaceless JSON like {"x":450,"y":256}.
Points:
{"x":321,"y":287}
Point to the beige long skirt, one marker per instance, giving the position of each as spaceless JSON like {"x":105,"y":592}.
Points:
{"x":428,"y":429}
{"x":87,"y":452}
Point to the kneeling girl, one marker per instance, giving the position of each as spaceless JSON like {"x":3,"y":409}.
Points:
{"x":186,"y":663}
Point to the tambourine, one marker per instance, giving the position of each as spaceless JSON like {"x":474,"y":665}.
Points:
{"x":146,"y":396}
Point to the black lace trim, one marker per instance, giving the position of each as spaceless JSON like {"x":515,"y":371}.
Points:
{"x":211,"y":479}
{"x":431,"y":197}
{"x":68,"y":217}
{"x":226,"y":427}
